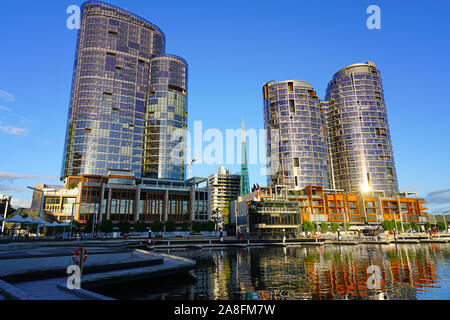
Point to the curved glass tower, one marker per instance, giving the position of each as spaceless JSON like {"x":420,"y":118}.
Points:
{"x":360,"y":141}
{"x":296,"y":140}
{"x":107,"y":111}
{"x":166,"y":119}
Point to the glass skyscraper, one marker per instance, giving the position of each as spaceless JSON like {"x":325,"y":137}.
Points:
{"x":360,"y":141}
{"x":296,"y":135}
{"x":108,"y":114}
{"x":166,"y":119}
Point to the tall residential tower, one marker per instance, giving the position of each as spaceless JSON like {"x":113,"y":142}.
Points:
{"x":296,"y":139}
{"x":360,"y":140}
{"x":125,"y":92}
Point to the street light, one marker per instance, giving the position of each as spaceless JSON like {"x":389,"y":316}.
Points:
{"x":71,"y":221}
{"x":8,"y":200}
{"x":190,"y":167}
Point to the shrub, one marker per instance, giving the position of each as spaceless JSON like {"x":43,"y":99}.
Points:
{"x":414,"y":226}
{"x":406,"y":226}
{"x":124,"y":226}
{"x":140,"y":226}
{"x":171,"y":226}
{"x":388,"y":225}
{"x":334,"y":226}
{"x":88,"y":226}
{"x":197,"y":227}
{"x":324,"y":227}
{"x":210,"y":226}
{"x":106,"y":226}
{"x":185,"y":226}
{"x":441,"y":225}
{"x":157,"y":226}
{"x":345,"y":226}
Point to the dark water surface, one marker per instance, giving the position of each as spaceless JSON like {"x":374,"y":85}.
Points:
{"x":331,"y":272}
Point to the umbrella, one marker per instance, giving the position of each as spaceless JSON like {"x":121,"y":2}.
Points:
{"x":16,"y":219}
{"x":54,"y":224}
{"x":30,"y":220}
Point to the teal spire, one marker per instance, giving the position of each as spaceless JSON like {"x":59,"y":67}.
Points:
{"x":245,"y":183}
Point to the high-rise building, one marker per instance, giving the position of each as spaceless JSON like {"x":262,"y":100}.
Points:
{"x":166,"y":119}
{"x":360,"y":141}
{"x":116,"y":54}
{"x":245,"y":180}
{"x":296,"y":139}
{"x":224,"y":187}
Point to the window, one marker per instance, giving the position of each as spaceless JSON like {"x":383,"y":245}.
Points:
{"x":88,"y":130}
{"x":389,"y":171}
{"x":112,"y":33}
{"x":107,"y":98}
{"x":291,"y":86}
{"x":296,"y":181}
{"x":110,"y":54}
{"x":118,"y":71}
{"x":296,"y":163}
{"x":292,"y":106}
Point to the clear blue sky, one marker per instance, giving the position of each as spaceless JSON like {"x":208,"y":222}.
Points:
{"x":233,"y":48}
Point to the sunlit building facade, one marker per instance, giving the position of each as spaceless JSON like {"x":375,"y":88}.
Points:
{"x":296,"y":137}
{"x":166,"y":119}
{"x":127,"y":98}
{"x":359,"y":135}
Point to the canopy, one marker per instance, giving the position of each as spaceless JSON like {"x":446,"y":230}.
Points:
{"x":16,"y":219}
{"x":54,"y":224}
{"x":65,"y":224}
{"x":30,"y":220}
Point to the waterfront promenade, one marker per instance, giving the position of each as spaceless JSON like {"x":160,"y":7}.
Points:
{"x":36,"y":270}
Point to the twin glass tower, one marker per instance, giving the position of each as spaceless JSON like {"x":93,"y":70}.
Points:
{"x":341,"y":143}
{"x":128,"y":107}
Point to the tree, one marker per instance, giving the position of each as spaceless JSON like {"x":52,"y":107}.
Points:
{"x":334,"y":226}
{"x":185,"y":226}
{"x":157,"y":226}
{"x":140,"y":226}
{"x":88,"y":226}
{"x":106,"y":226}
{"x":398,"y":225}
{"x":388,"y":225}
{"x":124,"y":226}
{"x":414,"y":226}
{"x":324,"y":227}
{"x":406,"y":226}
{"x":210,"y":226}
{"x":171,"y":226}
{"x":427,"y":225}
{"x":441,"y":225}
{"x":309,"y":226}
{"x":197,"y":227}
{"x":345,"y":226}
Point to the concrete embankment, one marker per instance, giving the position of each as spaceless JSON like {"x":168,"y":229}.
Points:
{"x":40,"y":273}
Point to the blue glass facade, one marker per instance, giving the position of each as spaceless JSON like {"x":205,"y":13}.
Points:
{"x":360,"y":141}
{"x":110,"y":88}
{"x":166,"y":119}
{"x":296,"y":137}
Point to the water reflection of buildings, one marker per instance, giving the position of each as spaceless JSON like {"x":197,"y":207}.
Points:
{"x":325,"y":273}
{"x":403,"y":271}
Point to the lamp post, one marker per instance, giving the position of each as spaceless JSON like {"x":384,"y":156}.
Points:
{"x":8,"y":200}
{"x":443,"y":217}
{"x":190,"y":167}
{"x":71,"y":220}
{"x":94,"y":221}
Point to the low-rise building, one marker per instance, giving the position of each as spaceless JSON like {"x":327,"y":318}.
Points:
{"x":121,"y":197}
{"x":272,"y":212}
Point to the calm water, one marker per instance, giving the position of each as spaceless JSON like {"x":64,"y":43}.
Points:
{"x":330,"y":272}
